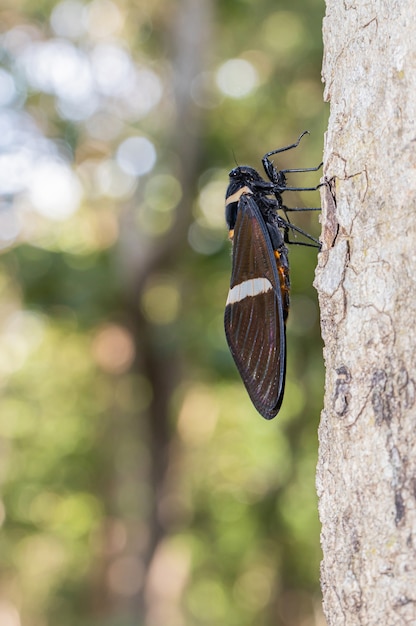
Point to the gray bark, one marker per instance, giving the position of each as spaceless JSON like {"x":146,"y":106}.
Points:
{"x":367,"y":287}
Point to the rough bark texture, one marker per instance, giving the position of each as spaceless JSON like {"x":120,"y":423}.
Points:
{"x":366,"y":281}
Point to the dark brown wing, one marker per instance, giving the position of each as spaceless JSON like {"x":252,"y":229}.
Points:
{"x":254,"y":324}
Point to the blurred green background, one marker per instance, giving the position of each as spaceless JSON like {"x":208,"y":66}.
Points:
{"x":138,"y":484}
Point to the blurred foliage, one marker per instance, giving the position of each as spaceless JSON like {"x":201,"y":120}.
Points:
{"x":90,"y":157}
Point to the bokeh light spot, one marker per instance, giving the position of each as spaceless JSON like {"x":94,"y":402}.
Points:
{"x":198,"y":416}
{"x":152,"y":222}
{"x":103,"y":18}
{"x":15,"y":169}
{"x":113,"y":68}
{"x":113,"y":182}
{"x":136,"y":156}
{"x":54,"y":189}
{"x":237,"y":78}
{"x":104,"y":126}
{"x":283,"y":31}
{"x":9,"y":615}
{"x":75,"y":514}
{"x":58,"y":66}
{"x":143,"y":94}
{"x":9,"y":223}
{"x":203,"y":239}
{"x":211,"y":201}
{"x":162,"y":192}
{"x":113,"y":349}
{"x":168,"y":575}
{"x":21,"y":334}
{"x":7,"y":88}
{"x":207,"y":601}
{"x":66,"y":19}
{"x":161,"y":301}
{"x":254,"y":588}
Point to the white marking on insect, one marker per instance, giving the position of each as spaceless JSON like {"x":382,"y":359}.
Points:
{"x":237,"y":195}
{"x":249,"y":288}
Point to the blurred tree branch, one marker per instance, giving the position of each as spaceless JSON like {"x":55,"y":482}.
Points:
{"x":189,"y":40}
{"x":143,"y":256}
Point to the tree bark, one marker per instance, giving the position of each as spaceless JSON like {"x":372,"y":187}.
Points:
{"x":366,"y":281}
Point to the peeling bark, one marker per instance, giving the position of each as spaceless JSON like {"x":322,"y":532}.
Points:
{"x":366,"y":281}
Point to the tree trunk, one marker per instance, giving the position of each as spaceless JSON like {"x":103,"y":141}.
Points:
{"x":366,"y":282}
{"x":159,"y":361}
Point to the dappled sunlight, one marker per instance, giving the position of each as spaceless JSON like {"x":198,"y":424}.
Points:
{"x":101,"y":86}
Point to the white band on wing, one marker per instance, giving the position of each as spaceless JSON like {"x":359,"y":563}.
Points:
{"x":249,"y":288}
